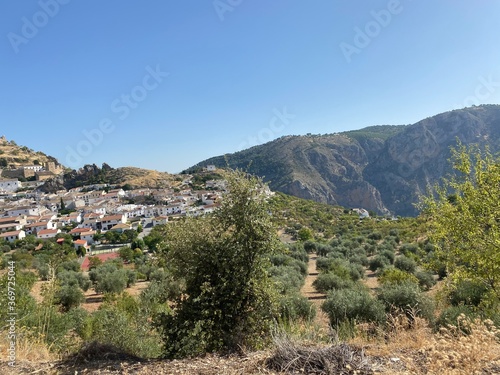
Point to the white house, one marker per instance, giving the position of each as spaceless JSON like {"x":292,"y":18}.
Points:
{"x":12,"y":236}
{"x":38,"y":226}
{"x":88,"y":236}
{"x":9,"y":185}
{"x":24,"y":210}
{"x":47,"y":233}
{"x":160,"y":220}
{"x":108,"y":222}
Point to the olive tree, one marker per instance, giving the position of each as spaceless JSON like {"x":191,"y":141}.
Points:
{"x":228,"y":300}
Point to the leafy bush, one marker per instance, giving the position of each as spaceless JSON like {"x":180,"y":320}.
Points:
{"x":329,"y":281}
{"x":353,"y":304}
{"x":132,"y":334}
{"x":468,"y":293}
{"x":108,"y":278}
{"x":406,"y":298}
{"x":396,"y":276}
{"x":409,"y":248}
{"x":449,"y":316}
{"x":425,"y":280}
{"x":389,"y":254}
{"x":405,"y":264}
{"x":378,"y":263}
{"x":69,"y":296}
{"x":294,"y":306}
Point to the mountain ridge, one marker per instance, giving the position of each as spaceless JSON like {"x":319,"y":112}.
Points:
{"x":381,"y":168}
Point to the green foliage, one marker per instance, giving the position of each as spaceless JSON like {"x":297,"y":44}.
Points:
{"x":405,"y":264}
{"x":468,"y":292}
{"x":353,"y":305}
{"x":406,"y":298}
{"x":295,"y":307}
{"x":465,"y":230}
{"x":304,"y":234}
{"x":228,"y":299}
{"x":378,"y":263}
{"x":329,"y":281}
{"x":124,"y":326}
{"x":109,"y":278}
{"x":396,"y":276}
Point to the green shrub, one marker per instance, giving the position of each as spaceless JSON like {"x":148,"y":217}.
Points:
{"x":425,"y":279}
{"x":449,"y":316}
{"x":409,"y":248}
{"x":392,"y":275}
{"x":329,"y":281}
{"x":468,"y":293}
{"x":389,"y":254}
{"x":378,"y":263}
{"x":286,"y":278}
{"x":353,"y":305}
{"x":134,"y":335}
{"x":375,"y":236}
{"x":69,"y":297}
{"x":294,"y":306}
{"x":405,"y":264}
{"x":406,"y":298}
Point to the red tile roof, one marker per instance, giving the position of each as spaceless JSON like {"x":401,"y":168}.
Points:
{"x":103,"y":257}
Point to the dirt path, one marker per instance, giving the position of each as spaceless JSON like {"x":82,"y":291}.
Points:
{"x":312,"y":295}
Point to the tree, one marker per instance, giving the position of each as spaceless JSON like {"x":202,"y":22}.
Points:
{"x":108,"y":278}
{"x":228,"y":299}
{"x":466,"y":229}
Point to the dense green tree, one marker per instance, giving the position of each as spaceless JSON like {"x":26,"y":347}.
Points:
{"x":228,"y":301}
{"x":466,"y":230}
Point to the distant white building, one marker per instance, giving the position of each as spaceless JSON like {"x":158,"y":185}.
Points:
{"x":9,"y":185}
{"x":14,"y":235}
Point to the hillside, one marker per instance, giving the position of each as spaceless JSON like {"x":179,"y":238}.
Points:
{"x":379,"y":168}
{"x":14,"y":156}
{"x":125,"y":176}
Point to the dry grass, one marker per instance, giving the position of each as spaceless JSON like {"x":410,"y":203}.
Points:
{"x":417,"y":350}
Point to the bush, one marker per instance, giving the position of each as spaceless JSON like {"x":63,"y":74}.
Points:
{"x":353,"y":305}
{"x":108,"y":278}
{"x":389,"y":254}
{"x":69,"y":297}
{"x":468,"y":293}
{"x":132,"y":334}
{"x":294,"y":306}
{"x":396,"y":276}
{"x":405,"y":264}
{"x":375,"y":236}
{"x":409,"y":248}
{"x":425,"y":280}
{"x":378,"y":263}
{"x":449,"y":316}
{"x":329,"y":281}
{"x":406,"y":298}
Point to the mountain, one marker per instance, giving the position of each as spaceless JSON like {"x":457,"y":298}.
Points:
{"x":380,"y":168}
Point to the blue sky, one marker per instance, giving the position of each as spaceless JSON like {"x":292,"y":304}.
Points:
{"x":164,"y":84}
